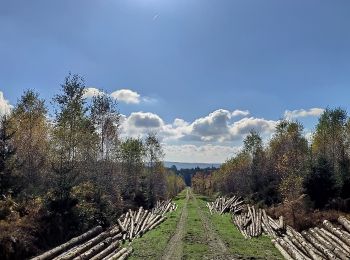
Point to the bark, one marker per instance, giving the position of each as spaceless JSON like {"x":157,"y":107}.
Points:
{"x":71,"y":243}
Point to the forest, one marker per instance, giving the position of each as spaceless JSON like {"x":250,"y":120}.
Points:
{"x":61,"y":175}
{"x":304,"y":180}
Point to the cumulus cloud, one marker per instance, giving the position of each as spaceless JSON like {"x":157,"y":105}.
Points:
{"x":217,"y":127}
{"x":245,"y":125}
{"x":92,"y":92}
{"x":127,"y":96}
{"x":207,"y":153}
{"x":290,"y":115}
{"x":140,"y":123}
{"x":238,"y":112}
{"x":212,"y":126}
{"x":145,"y":120}
{"x":5,"y":106}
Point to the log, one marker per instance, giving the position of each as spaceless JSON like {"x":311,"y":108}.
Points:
{"x":336,"y":239}
{"x":83,"y":247}
{"x":283,"y":252}
{"x":94,"y":250}
{"x":71,"y":243}
{"x":319,"y":246}
{"x":337,"y":249}
{"x":309,"y":248}
{"x":292,"y":249}
{"x":345,"y":223}
{"x":342,"y":235}
{"x":121,"y":226}
{"x":112,"y":247}
{"x":116,"y":254}
{"x":126,"y":254}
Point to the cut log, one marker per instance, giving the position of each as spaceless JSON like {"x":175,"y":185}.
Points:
{"x":329,"y":254}
{"x":116,"y":254}
{"x":283,"y":252}
{"x":345,"y":223}
{"x":83,"y":247}
{"x":112,"y":247}
{"x":342,"y":235}
{"x":71,"y":243}
{"x":94,"y":250}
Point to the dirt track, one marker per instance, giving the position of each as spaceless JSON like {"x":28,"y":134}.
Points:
{"x":217,"y":248}
{"x":174,"y":250}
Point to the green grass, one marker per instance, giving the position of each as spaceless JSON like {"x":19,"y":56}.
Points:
{"x":195,"y":246}
{"x":152,"y":244}
{"x":255,"y":248}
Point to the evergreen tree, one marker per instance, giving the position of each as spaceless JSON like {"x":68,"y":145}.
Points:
{"x":7,"y":157}
{"x":320,"y":184}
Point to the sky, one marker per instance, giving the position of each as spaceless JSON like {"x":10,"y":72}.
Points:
{"x":200,"y":73}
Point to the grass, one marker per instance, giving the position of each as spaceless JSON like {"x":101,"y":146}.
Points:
{"x":195,"y":246}
{"x":152,"y":244}
{"x":255,"y":248}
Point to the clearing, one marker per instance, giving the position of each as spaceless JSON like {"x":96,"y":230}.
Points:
{"x":192,"y":233}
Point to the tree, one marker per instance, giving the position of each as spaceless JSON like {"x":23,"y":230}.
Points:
{"x":73,"y":133}
{"x":288,"y":155}
{"x":106,"y":119}
{"x":156,"y":182}
{"x":320,"y":184}
{"x":73,"y":144}
{"x":330,"y":141}
{"x":29,"y":122}
{"x":7,"y":157}
{"x":132,"y":153}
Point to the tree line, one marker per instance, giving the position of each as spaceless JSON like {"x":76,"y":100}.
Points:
{"x":61,"y":175}
{"x":289,"y":167}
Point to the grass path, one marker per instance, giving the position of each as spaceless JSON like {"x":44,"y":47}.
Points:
{"x":174,"y":250}
{"x":192,"y":233}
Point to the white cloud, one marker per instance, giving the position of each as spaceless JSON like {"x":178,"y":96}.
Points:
{"x":217,"y":127}
{"x":92,"y":92}
{"x":140,"y":123}
{"x":207,"y":153}
{"x":127,"y":96}
{"x":245,"y":125}
{"x":240,"y":113}
{"x":5,"y":107}
{"x":145,"y":120}
{"x":290,"y":115}
{"x":213,"y":126}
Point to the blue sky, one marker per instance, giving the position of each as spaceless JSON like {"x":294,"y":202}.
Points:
{"x":197,"y":61}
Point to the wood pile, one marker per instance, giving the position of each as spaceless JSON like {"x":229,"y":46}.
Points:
{"x":253,"y":222}
{"x":163,"y":207}
{"x":329,"y":241}
{"x":223,"y":205}
{"x":97,"y":244}
{"x":326,"y":242}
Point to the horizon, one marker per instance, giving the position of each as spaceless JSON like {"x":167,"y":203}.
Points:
{"x":187,"y":70}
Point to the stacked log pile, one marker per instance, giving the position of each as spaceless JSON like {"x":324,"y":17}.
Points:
{"x":329,"y":241}
{"x":253,"y":222}
{"x":325,"y":242}
{"x":97,"y":244}
{"x":163,"y":207}
{"x":222,"y":205}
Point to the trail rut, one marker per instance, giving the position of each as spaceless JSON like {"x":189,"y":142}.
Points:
{"x":174,"y":250}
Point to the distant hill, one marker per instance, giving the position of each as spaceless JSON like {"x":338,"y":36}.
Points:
{"x":181,"y":165}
